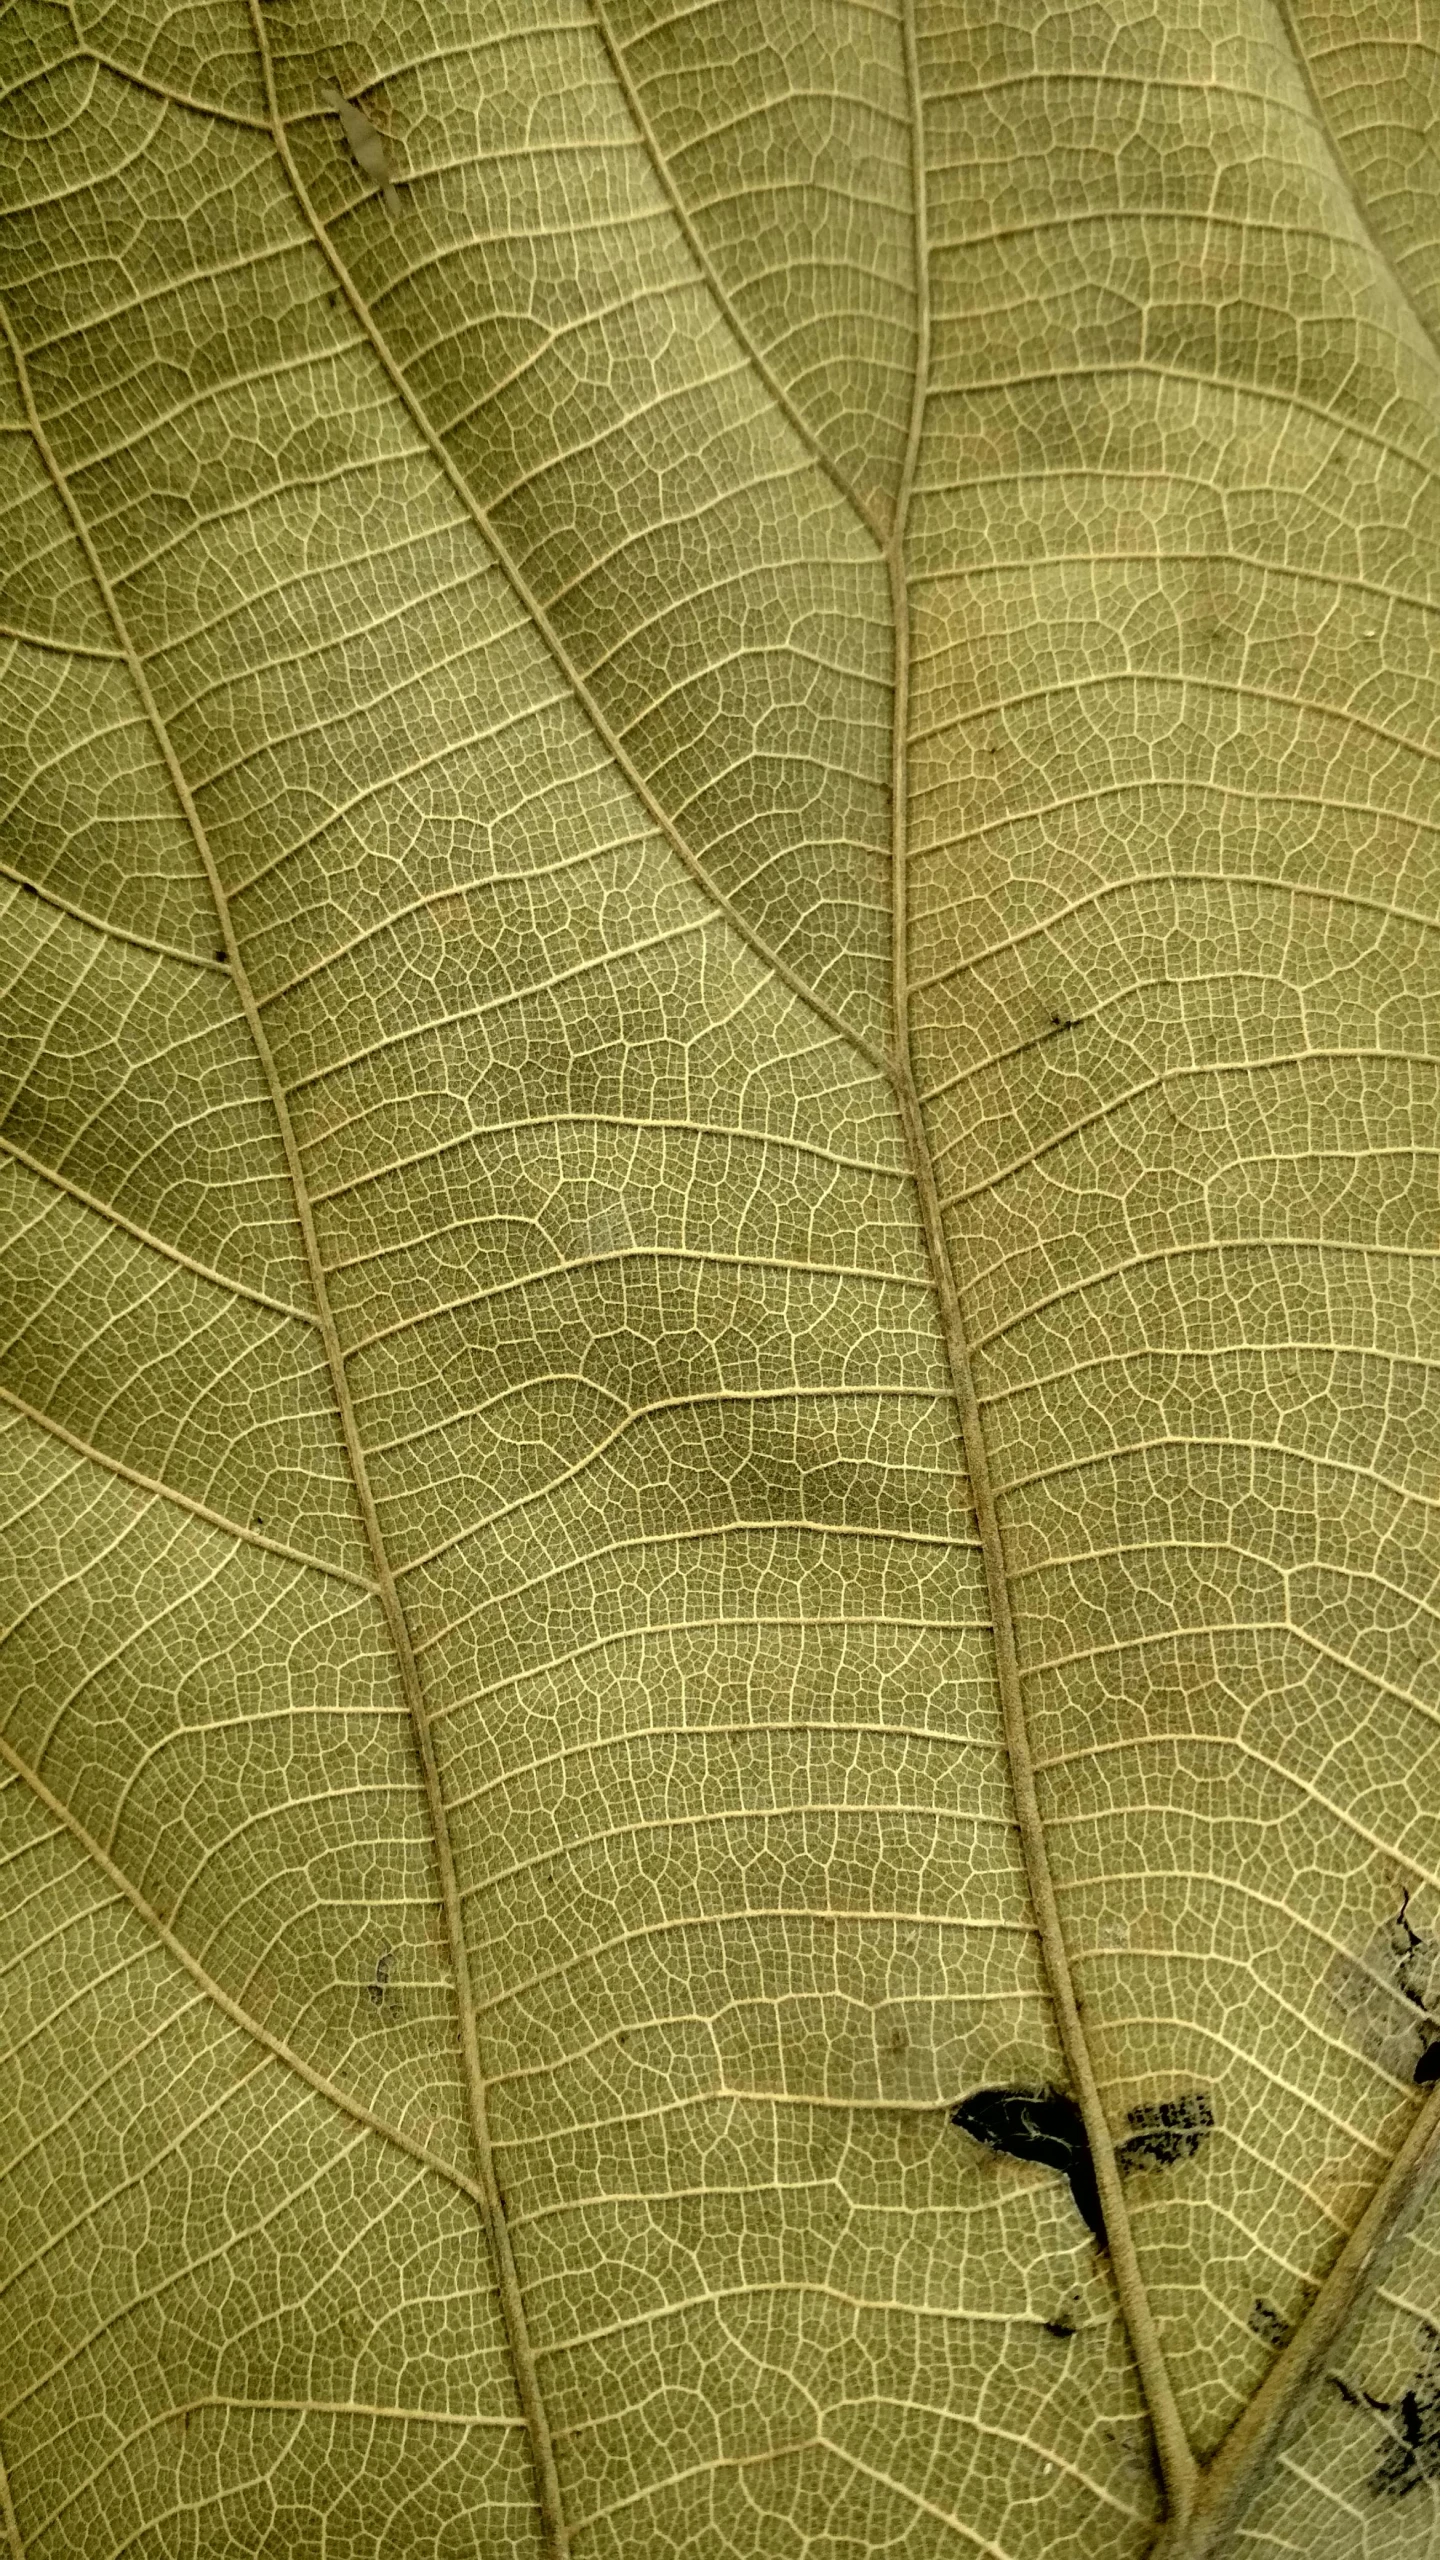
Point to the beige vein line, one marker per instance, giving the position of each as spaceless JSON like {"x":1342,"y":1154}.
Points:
{"x":830,"y":1808}
{"x":1162,"y":680}
{"x":485,"y":2190}
{"x":688,"y":1924}
{"x":239,"y":2017}
{"x":698,"y":1257}
{"x":504,"y":559}
{"x":637,"y":1129}
{"x":102,"y":924}
{"x":1316,"y":1460}
{"x":62,"y":648}
{"x":899,"y":2488}
{"x":114,"y":1217}
{"x":679,"y":1630}
{"x":183,"y":1501}
{"x":186,"y":2409}
{"x":719,"y":295}
{"x":772,"y":1529}
{"x":598,"y":1745}
{"x":1130,"y":886}
{"x":660,"y":2315}
{"x":172,"y":97}
{"x":1239,"y":395}
{"x":1200,"y":1248}
{"x":1176,"y":2461}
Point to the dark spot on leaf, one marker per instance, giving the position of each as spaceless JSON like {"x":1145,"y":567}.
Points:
{"x":1042,"y":2125}
{"x":28,"y":889}
{"x":1269,"y":2324}
{"x":1058,"y":2328}
{"x":1390,"y":1992}
{"x":1414,"y":1965}
{"x":1168,"y":2133}
{"x":220,"y":954}
{"x":1428,"y":2066}
{"x":1415,"y":2455}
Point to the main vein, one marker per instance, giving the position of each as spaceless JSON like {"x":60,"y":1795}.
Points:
{"x":1176,"y":2461}
{"x":492,"y":2205}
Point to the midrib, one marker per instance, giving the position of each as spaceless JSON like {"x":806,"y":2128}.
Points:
{"x":492,"y":2205}
{"x":1176,"y":2461}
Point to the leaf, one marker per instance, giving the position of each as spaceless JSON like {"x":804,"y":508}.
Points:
{"x":719,"y":1151}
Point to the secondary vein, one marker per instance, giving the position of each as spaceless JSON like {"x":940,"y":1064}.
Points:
{"x":1176,"y":2461}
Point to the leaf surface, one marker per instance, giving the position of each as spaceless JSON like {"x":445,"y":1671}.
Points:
{"x":719,"y":1153}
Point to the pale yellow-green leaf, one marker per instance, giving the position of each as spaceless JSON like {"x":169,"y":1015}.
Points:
{"x":511,"y":1852}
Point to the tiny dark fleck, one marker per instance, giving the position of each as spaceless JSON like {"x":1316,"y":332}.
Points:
{"x":221,"y":953}
{"x":1042,"y":2125}
{"x":1269,"y":2324}
{"x":28,"y":889}
{"x":1058,"y":2328}
{"x":1428,"y":2066}
{"x":1062,"y":1022}
{"x":1168,"y":2133}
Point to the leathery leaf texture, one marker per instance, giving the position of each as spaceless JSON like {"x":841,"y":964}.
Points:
{"x":719,"y":845}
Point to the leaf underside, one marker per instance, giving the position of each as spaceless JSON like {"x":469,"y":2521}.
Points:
{"x":763,"y":760}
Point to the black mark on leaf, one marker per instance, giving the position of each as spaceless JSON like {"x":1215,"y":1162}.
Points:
{"x":1058,"y":2328}
{"x":1042,"y":2125}
{"x":1415,"y":2457}
{"x":1385,"y":1989}
{"x":1269,"y":2324}
{"x":1164,"y":2135}
{"x":1413,"y":2423}
{"x":1414,"y":1968}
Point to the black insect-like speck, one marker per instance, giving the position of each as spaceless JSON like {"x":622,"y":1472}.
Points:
{"x":1268,"y":2323}
{"x":1415,"y":2456}
{"x":1166,"y":2134}
{"x":380,"y":1980}
{"x":1058,"y":2328}
{"x":1042,"y":2125}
